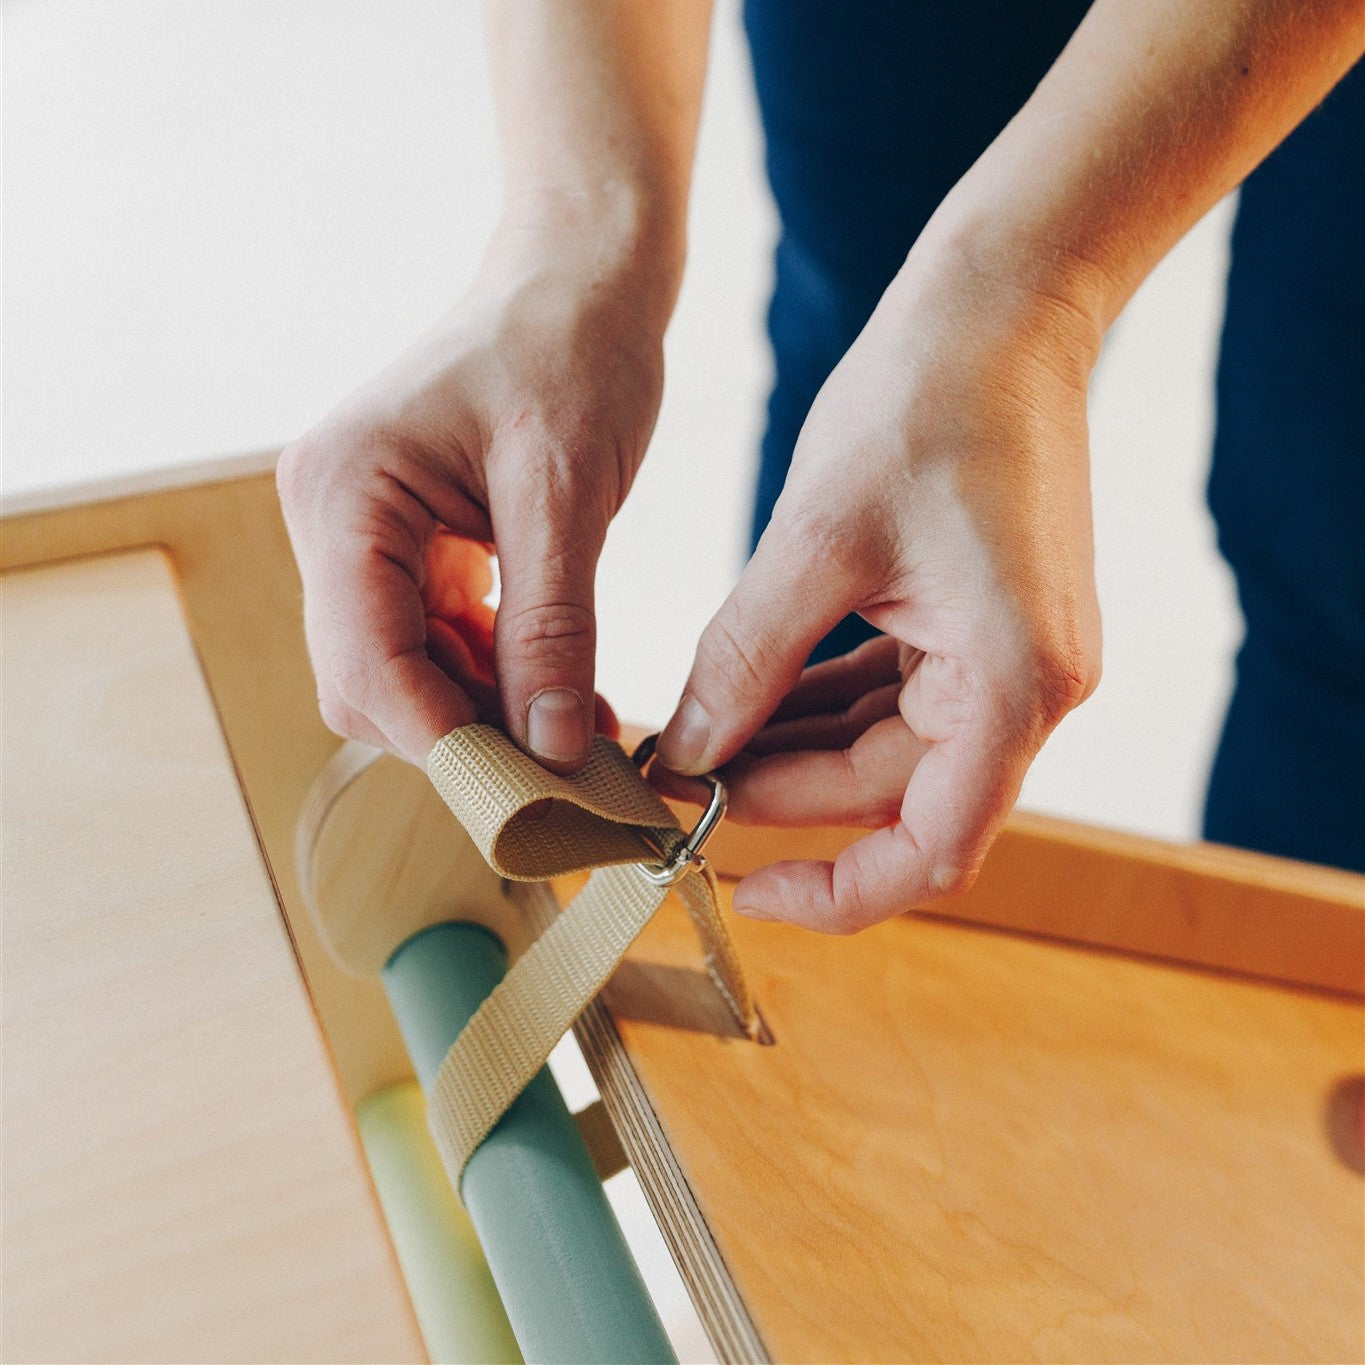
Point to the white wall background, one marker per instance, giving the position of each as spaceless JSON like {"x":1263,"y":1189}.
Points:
{"x":220,"y":217}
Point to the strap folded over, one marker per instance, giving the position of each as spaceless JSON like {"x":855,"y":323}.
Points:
{"x":531,"y":824}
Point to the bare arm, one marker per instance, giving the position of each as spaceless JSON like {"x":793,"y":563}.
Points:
{"x":521,"y":421}
{"x":598,"y":102}
{"x":1155,"y":110}
{"x":940,"y":485}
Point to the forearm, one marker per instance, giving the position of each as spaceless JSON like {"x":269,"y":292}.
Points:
{"x":1153,"y":112}
{"x":598,"y":102}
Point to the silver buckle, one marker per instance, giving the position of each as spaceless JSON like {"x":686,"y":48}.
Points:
{"x":687,"y":855}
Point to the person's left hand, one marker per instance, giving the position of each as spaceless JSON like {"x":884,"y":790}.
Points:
{"x":940,"y":488}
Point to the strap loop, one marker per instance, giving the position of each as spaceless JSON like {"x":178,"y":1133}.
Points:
{"x":530,"y":825}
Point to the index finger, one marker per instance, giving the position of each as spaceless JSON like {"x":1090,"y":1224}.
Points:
{"x":367,"y":632}
{"x":958,"y":795}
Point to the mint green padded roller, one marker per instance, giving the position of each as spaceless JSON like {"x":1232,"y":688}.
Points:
{"x":458,"y":1309}
{"x":567,"y":1279}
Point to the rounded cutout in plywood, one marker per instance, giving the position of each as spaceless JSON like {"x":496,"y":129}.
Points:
{"x":382,"y":858}
{"x":1344,"y":1119}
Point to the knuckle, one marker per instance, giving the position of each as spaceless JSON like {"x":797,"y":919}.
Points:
{"x":812,"y":535}
{"x":1063,"y":680}
{"x":340,"y":457}
{"x":879,"y":812}
{"x":849,"y":914}
{"x":730,"y":660}
{"x":308,"y":474}
{"x":551,"y":632}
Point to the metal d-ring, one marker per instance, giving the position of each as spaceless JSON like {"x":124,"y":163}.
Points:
{"x":687,"y":855}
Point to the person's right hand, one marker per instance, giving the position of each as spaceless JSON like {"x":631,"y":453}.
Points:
{"x":518,"y":424}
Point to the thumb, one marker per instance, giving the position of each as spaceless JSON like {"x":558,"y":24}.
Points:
{"x":545,"y":632}
{"x":792,"y":593}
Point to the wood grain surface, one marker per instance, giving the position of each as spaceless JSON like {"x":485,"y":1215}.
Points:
{"x":221,"y":528}
{"x":181,"y":1178}
{"x":968,"y":1144}
{"x":1206,"y":904}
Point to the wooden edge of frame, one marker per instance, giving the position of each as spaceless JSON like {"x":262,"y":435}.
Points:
{"x":1205,"y":905}
{"x":220,"y":524}
{"x":685,"y":1231}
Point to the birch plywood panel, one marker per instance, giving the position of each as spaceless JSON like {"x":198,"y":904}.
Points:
{"x":975,"y":1145}
{"x":1203,"y":904}
{"x":241,"y":594}
{"x":181,"y":1181}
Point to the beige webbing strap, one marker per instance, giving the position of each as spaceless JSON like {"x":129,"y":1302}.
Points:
{"x":530,"y":825}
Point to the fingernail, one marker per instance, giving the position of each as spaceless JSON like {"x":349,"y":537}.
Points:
{"x":682,"y":746}
{"x":944,"y":877}
{"x":557,"y":726}
{"x":751,"y":911}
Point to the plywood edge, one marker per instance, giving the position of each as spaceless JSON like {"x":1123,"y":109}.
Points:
{"x":1329,"y":885}
{"x":736,"y":850}
{"x":689,"y":1239}
{"x":156,"y":746}
{"x":225,"y":469}
{"x":221,"y":526}
{"x":1205,"y":905}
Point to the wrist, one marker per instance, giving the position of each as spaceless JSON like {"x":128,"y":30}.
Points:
{"x":1006,"y":284}
{"x":616,"y":230}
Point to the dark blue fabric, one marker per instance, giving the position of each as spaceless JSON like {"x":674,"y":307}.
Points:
{"x":871,"y":112}
{"x":1287,"y":489}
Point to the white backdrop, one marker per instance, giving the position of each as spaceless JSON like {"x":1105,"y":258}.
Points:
{"x":218,"y":218}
